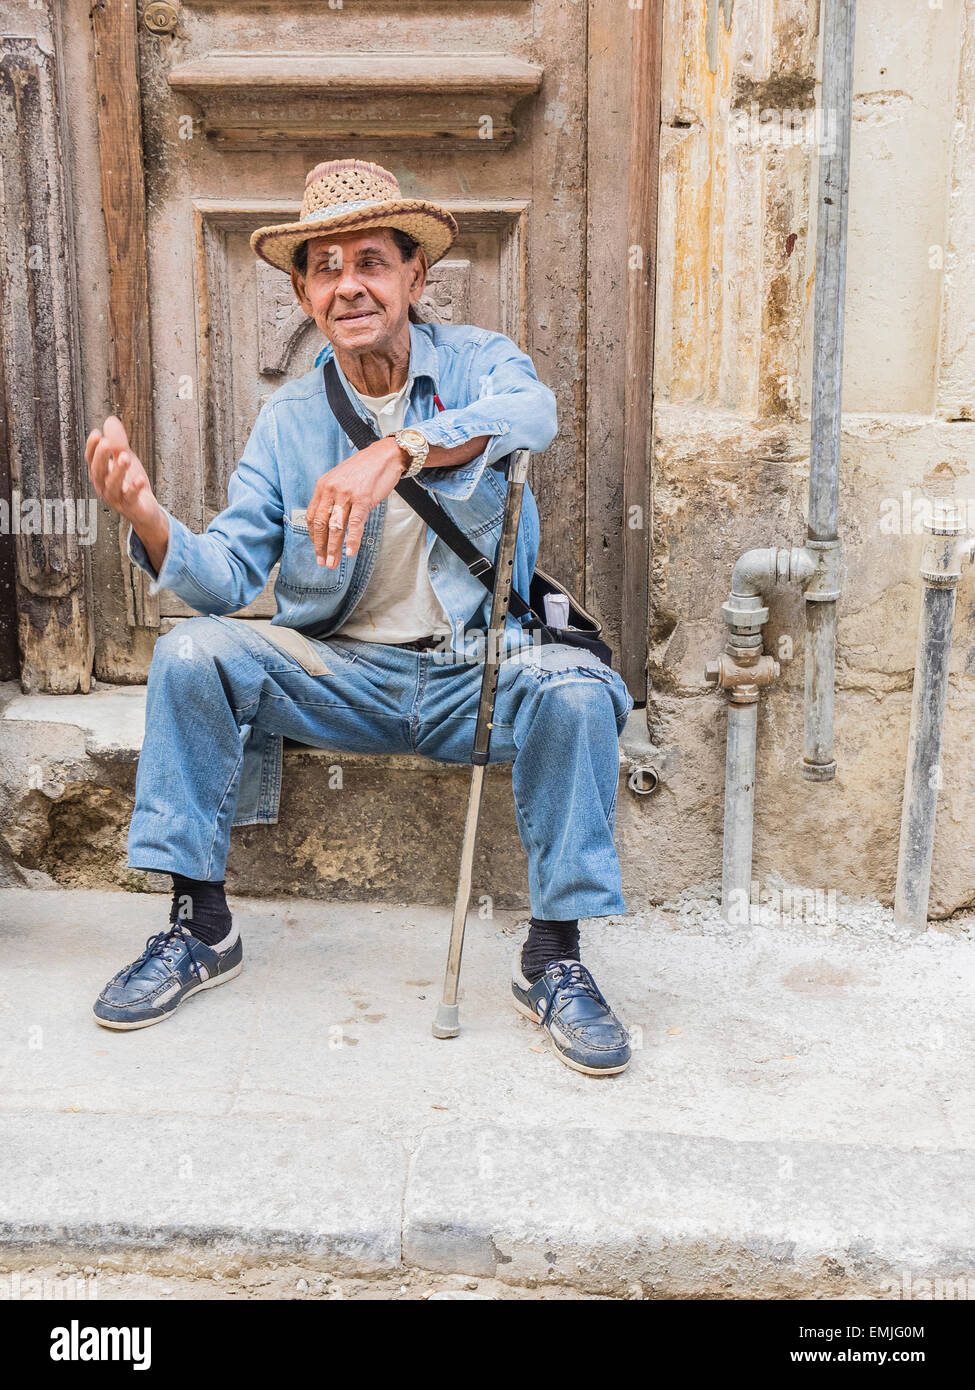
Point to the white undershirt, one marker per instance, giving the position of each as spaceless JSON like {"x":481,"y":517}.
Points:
{"x":399,"y":603}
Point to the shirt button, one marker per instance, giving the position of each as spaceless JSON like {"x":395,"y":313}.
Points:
{"x":434,"y":569}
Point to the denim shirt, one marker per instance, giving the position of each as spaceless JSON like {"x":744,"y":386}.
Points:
{"x":488,"y":387}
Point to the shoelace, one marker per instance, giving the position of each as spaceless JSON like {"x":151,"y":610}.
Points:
{"x":575,"y":975}
{"x":157,"y":944}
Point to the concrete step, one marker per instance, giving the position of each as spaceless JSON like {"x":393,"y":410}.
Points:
{"x":797,"y":1119}
{"x":69,"y":764}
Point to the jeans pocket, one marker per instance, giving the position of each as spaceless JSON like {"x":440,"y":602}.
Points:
{"x":291,"y":643}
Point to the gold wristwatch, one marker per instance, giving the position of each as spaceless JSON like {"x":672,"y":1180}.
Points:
{"x":414,"y":444}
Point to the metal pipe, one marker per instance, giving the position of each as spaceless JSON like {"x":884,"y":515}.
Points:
{"x":818,"y":762}
{"x":739,"y":812}
{"x":834,"y":179}
{"x":940,"y":573}
{"x":743,"y":669}
{"x":839,"y":18}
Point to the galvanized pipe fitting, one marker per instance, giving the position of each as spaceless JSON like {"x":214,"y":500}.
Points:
{"x":758,"y":570}
{"x":743,"y":669}
{"x":743,"y":672}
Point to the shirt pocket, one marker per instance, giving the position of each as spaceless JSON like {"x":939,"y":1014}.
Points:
{"x":300,"y":572}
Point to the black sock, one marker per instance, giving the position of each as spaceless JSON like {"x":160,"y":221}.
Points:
{"x":548,"y":941}
{"x":203,"y":907}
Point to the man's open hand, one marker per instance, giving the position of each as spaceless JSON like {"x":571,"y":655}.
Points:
{"x":117,"y":474}
{"x":345,"y":496}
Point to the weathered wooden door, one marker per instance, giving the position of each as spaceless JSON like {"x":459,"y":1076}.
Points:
{"x":534,"y":121}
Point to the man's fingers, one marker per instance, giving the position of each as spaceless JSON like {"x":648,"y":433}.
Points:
{"x":336,"y":533}
{"x":90,"y":444}
{"x":99,"y":465}
{"x":327,"y":517}
{"x":126,"y":474}
{"x":116,"y":472}
{"x":114,"y":432}
{"x":316,"y":514}
{"x":357,"y":523}
{"x":130,"y":474}
{"x":340,"y":506}
{"x":118,"y":481}
{"x":317,"y":517}
{"x":105,"y":446}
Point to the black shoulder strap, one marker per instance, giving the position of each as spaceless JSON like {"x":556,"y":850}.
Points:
{"x":362,"y":435}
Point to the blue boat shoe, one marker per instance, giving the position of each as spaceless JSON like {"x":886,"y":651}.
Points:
{"x":174,"y":965}
{"x":585,"y":1032}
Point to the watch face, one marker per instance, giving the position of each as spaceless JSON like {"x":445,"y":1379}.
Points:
{"x":413,"y":437}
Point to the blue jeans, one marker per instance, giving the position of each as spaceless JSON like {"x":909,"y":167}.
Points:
{"x":558,"y":716}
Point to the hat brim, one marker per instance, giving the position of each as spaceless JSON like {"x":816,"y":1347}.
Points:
{"x":432,"y":226}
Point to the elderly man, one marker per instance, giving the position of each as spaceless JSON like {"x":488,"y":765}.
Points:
{"x":369,"y":602}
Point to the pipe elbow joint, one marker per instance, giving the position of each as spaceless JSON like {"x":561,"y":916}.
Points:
{"x":758,"y":570}
{"x":754,"y":572}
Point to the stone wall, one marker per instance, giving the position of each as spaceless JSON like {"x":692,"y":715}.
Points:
{"x":732,"y":377}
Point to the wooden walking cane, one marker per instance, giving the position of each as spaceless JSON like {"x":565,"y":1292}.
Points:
{"x":447,"y":1024}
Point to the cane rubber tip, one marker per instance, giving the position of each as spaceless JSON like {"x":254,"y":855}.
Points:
{"x":447,"y":1022}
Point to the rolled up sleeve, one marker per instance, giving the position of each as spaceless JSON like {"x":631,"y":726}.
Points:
{"x":226,"y":567}
{"x":507,"y":403}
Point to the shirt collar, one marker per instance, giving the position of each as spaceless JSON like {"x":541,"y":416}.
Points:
{"x":423,"y":357}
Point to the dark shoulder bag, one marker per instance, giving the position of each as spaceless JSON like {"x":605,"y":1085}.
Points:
{"x":583,"y":629}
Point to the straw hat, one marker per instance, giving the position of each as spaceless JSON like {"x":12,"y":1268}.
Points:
{"x":351,"y":195}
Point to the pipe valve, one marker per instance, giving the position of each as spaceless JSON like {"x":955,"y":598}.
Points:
{"x":743,"y":672}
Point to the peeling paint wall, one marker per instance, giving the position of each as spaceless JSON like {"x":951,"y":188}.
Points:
{"x":726,"y":9}
{"x":732,"y":369}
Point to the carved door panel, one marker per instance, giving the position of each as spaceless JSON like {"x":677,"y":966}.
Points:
{"x":482,"y":106}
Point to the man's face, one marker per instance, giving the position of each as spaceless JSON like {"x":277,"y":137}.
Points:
{"x":358,"y":289}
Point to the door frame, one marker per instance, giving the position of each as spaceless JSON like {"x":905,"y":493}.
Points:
{"x":623,"y":82}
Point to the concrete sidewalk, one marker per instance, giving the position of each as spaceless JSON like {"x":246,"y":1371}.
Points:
{"x":798,"y":1118}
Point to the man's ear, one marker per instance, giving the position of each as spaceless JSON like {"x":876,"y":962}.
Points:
{"x":298,"y":285}
{"x":418,"y":282}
